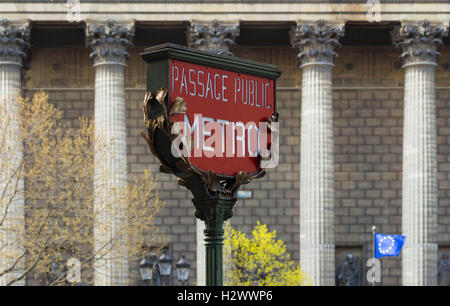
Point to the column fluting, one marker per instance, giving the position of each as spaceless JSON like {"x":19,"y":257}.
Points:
{"x":418,"y":42}
{"x":109,"y":41}
{"x":316,"y":43}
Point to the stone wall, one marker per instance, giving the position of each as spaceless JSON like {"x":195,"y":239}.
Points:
{"x":368,"y":119}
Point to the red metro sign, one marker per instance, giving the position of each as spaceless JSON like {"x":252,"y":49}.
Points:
{"x":224,"y":109}
{"x":228,"y":102}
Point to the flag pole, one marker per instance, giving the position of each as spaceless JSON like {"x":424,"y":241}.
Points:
{"x":373,"y":251}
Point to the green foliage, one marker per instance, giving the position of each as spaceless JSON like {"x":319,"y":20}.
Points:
{"x":259,"y":261}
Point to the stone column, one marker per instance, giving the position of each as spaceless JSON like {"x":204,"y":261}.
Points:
{"x":109,"y":41}
{"x":13,"y":45}
{"x":217,"y":37}
{"x":316,"y":42}
{"x":418,"y":42}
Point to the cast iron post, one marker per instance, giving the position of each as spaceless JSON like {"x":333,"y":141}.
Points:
{"x":214,"y":210}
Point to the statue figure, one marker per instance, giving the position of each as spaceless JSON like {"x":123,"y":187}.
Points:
{"x":444,"y":270}
{"x":349,"y":272}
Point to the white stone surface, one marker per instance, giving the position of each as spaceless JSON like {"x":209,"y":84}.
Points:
{"x":317,"y":176}
{"x":201,"y":253}
{"x":13,"y":226}
{"x":254,"y":11}
{"x":12,"y":205}
{"x":108,"y":42}
{"x":316,"y":43}
{"x":420,"y":190}
{"x":419,"y":209}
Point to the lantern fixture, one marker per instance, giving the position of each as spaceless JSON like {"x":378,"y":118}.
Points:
{"x":183,"y":270}
{"x":165,"y":268}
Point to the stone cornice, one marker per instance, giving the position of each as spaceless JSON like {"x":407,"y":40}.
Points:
{"x":316,"y":41}
{"x":14,"y":44}
{"x":109,"y":41}
{"x":215,"y":36}
{"x":419,"y":42}
{"x":232,"y":1}
{"x":256,"y":11}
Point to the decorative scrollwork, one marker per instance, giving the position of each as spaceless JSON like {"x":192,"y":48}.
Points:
{"x":159,"y":125}
{"x":179,"y":107}
{"x":316,"y":42}
{"x":419,"y":41}
{"x":13,"y":41}
{"x":109,"y":41}
{"x":217,"y":37}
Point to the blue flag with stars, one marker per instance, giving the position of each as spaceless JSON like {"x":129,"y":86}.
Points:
{"x":388,"y":245}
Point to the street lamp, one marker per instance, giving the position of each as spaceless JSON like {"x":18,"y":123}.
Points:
{"x":165,"y":267}
{"x":146,"y":268}
{"x":183,"y":270}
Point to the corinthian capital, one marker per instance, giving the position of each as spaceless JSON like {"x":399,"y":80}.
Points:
{"x":217,"y":37}
{"x":316,"y":41}
{"x":419,"y":42}
{"x":109,"y":41}
{"x":13,"y":41}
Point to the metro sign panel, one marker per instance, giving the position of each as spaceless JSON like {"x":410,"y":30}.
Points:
{"x":226,"y":100}
{"x":236,"y":102}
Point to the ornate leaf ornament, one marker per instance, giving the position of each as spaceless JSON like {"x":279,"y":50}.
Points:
{"x":241,"y":179}
{"x":419,"y":41}
{"x":316,"y":42}
{"x":217,"y":37}
{"x":13,"y":41}
{"x":214,"y":183}
{"x":179,"y":107}
{"x":109,"y":41}
{"x":165,"y":169}
{"x":158,"y":123}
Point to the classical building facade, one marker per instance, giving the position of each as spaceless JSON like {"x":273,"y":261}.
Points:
{"x":364,"y":118}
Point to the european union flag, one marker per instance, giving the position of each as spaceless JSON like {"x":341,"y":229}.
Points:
{"x":388,"y":245}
